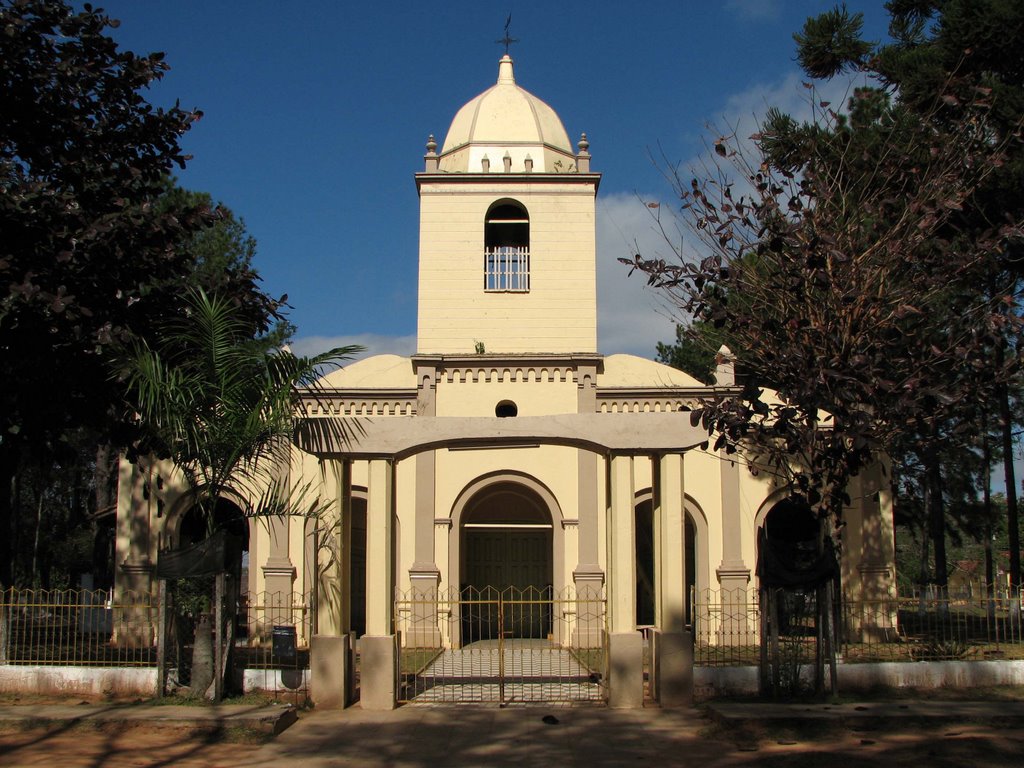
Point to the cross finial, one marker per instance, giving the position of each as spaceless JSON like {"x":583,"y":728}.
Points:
{"x":507,"y":40}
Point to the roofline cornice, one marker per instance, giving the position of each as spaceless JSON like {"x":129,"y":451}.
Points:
{"x":504,"y":178}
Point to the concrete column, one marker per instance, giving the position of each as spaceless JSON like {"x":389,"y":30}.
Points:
{"x":442,"y":544}
{"x":587,"y":576}
{"x":670,"y":583}
{"x":674,"y":664}
{"x":279,"y":570}
{"x":331,"y":664}
{"x":625,"y":646}
{"x":379,"y":649}
{"x":135,"y":566}
{"x":868,"y":542}
{"x":422,"y":630}
{"x":733,"y":573}
{"x":331,"y":679}
{"x":334,"y":588}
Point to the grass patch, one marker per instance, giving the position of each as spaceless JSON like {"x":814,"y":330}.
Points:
{"x":412,"y":661}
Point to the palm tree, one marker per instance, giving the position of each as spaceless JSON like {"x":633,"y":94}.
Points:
{"x":223,"y":408}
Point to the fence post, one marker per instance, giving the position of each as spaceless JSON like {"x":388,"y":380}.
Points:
{"x":218,"y":634}
{"x":161,"y":638}
{"x":4,"y":624}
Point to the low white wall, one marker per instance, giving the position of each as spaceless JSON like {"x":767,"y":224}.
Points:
{"x":118,"y":682}
{"x":126,"y":682}
{"x":742,"y":681}
{"x":930,"y":674}
{"x":275,"y":680}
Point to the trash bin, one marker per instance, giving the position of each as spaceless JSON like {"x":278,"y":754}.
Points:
{"x":284,"y":639}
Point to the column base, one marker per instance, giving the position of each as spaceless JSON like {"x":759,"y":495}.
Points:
{"x":735,"y":627}
{"x":674,"y":669}
{"x":422,"y":629}
{"x":135,"y":627}
{"x":589,"y":627}
{"x":331,"y":678}
{"x":378,"y":671}
{"x":626,"y":670}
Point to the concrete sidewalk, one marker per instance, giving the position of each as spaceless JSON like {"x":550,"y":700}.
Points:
{"x":580,"y":736}
{"x":446,"y":736}
{"x":263,"y":718}
{"x":722,"y":734}
{"x":1000,"y":713}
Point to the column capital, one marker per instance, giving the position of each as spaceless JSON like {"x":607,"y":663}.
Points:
{"x":276,"y":567}
{"x":424,"y":571}
{"x":138,"y":566}
{"x":731,"y":571}
{"x":589,"y":572}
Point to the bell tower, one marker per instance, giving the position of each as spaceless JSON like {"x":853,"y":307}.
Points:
{"x":507,"y":258}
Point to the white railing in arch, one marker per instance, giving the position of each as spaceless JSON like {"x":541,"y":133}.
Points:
{"x":507,"y":269}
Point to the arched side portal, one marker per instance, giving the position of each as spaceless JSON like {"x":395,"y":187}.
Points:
{"x":187,"y":525}
{"x":694,"y":554}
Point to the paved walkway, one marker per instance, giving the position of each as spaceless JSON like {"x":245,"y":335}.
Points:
{"x":533,"y":671}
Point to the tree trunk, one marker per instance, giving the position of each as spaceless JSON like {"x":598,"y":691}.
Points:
{"x":1012,"y":520}
{"x":35,"y":541}
{"x":202,"y":658}
{"x":102,"y":471}
{"x":8,"y":473}
{"x":936,"y":519}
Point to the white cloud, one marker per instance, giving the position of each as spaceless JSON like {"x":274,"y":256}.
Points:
{"x":374,"y":343}
{"x":743,"y":112}
{"x":754,"y":10}
{"x":630,"y":316}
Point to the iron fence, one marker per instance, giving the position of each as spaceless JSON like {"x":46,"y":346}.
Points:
{"x":78,"y":627}
{"x":930,"y":626}
{"x":274,"y":629}
{"x":933,"y":628}
{"x":725,"y":625}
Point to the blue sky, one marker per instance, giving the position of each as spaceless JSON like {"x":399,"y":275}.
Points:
{"x":316,"y":116}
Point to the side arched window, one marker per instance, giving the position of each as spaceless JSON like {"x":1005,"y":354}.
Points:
{"x":507,"y":248}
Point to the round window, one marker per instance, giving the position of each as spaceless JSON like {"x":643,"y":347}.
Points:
{"x":506,"y":409}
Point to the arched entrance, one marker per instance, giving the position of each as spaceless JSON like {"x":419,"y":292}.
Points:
{"x":791,"y":565}
{"x":506,"y":546}
{"x":227,"y":516}
{"x":790,"y":520}
{"x":647,"y":573}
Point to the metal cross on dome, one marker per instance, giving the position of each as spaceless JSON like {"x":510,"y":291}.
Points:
{"x":507,"y":40}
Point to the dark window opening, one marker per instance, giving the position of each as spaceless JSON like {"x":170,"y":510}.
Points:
{"x":506,"y":409}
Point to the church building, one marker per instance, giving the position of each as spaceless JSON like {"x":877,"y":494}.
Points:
{"x":508,"y":489}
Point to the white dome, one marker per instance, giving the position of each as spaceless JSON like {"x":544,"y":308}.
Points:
{"x":506,"y":120}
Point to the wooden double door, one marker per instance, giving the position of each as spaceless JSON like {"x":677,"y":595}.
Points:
{"x":506,"y":588}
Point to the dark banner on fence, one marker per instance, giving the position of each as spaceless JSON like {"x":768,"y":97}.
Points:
{"x":221,"y":553}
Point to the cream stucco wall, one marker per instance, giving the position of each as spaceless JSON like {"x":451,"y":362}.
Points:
{"x":557,"y":314}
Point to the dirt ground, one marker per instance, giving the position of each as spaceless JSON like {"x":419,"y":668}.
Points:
{"x":81,"y":747}
{"x":120,"y":747}
{"x":698,"y":742}
{"x":934,"y":747}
